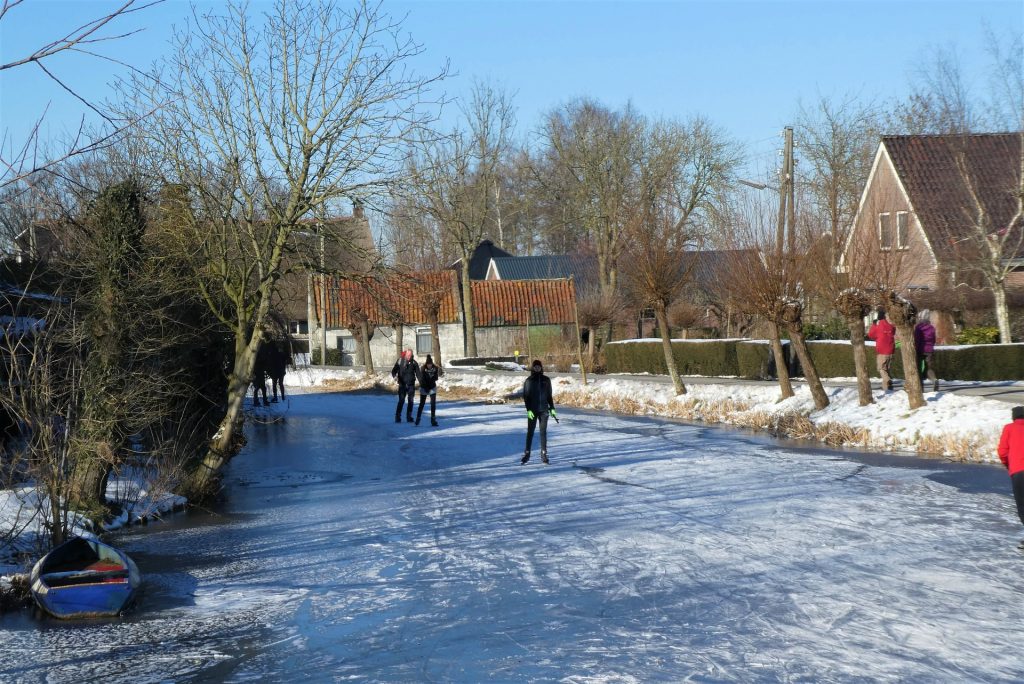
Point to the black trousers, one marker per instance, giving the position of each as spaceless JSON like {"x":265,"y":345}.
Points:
{"x":259,"y":384}
{"x":433,"y":406}
{"x":277,"y":383}
{"x":1017,"y":479}
{"x":531,"y":425}
{"x":403,"y":391}
{"x":924,"y":364}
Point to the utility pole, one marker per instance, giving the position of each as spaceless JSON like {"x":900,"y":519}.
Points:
{"x":787,"y":202}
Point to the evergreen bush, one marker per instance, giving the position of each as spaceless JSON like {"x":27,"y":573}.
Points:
{"x":979,"y":335}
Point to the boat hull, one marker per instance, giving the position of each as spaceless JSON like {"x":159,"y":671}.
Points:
{"x":84,"y":578}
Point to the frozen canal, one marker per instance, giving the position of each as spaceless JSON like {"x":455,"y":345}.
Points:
{"x":354,"y":548}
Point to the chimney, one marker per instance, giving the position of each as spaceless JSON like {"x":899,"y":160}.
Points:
{"x":357,"y":209}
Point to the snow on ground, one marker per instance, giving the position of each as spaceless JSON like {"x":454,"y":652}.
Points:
{"x":947,"y":419}
{"x":352,"y":548}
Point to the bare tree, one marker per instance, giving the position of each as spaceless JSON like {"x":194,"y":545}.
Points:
{"x":267,"y":125}
{"x":853,"y":305}
{"x":756,"y":274}
{"x":453,"y":182}
{"x":902,"y":313}
{"x":589,"y":169}
{"x":20,"y":160}
{"x":596,"y":310}
{"x":838,"y":139}
{"x":107,"y":364}
{"x":684,"y":165}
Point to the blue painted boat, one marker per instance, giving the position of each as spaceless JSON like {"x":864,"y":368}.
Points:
{"x":84,"y":578}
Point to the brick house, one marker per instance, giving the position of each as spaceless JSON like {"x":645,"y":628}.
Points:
{"x":529,"y":316}
{"x":510,"y":315}
{"x":400,"y":300}
{"x":347,"y":247}
{"x":916,"y":215}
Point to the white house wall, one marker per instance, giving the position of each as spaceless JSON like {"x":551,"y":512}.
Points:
{"x":382,"y":345}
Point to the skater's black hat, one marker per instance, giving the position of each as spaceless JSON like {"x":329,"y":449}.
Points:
{"x":1017,"y":412}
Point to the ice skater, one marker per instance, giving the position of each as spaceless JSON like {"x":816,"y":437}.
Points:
{"x":259,"y":375}
{"x":428,"y":388}
{"x":405,"y":371}
{"x":1011,"y":453}
{"x":539,"y":405}
{"x":278,"y":367}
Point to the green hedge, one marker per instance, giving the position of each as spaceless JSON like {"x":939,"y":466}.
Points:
{"x":696,"y":357}
{"x":333,"y":357}
{"x":754,"y":359}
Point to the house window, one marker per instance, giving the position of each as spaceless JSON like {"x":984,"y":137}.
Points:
{"x":347,"y":345}
{"x":901,"y":229}
{"x":424,"y":343}
{"x":885,"y":231}
{"x":298,"y":327}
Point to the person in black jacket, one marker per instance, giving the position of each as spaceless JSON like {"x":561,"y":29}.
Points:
{"x":405,"y":371}
{"x":428,"y":388}
{"x":259,"y":373}
{"x":539,"y":404}
{"x":278,"y":367}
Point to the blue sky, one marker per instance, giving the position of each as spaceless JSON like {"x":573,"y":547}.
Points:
{"x":744,"y":65}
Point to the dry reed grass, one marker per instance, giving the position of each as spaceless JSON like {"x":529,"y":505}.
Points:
{"x":971,"y":447}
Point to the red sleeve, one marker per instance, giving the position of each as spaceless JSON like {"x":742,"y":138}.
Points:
{"x":1004,"y":445}
{"x":871,"y":331}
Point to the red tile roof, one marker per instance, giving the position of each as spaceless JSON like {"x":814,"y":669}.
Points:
{"x":399,"y":297}
{"x":511,"y":302}
{"x":927,"y":166}
{"x":495,"y":302}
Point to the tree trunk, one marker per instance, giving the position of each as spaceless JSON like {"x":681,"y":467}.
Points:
{"x":796,"y":337}
{"x":781,"y":369}
{"x":201,"y":483}
{"x":364,"y":344}
{"x":467,"y":308}
{"x":911,"y":373}
{"x":435,"y":345}
{"x":88,"y":485}
{"x":901,"y":315}
{"x":666,"y":346}
{"x":860,"y":360}
{"x":1002,"y":312}
{"x":58,"y":524}
{"x":399,"y":339}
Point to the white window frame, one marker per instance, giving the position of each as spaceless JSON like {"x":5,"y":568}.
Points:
{"x":430,"y":341}
{"x":881,"y":244}
{"x":901,"y":232}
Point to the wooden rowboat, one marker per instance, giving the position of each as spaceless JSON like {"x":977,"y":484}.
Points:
{"x":84,"y":578}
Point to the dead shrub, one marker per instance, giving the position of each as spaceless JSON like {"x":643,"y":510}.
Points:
{"x":837,"y":434}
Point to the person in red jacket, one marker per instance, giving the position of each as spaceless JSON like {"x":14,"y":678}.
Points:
{"x":884,"y":334}
{"x":1011,"y":453}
